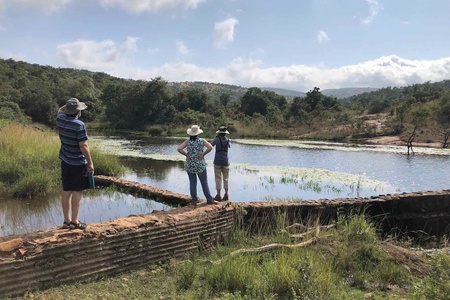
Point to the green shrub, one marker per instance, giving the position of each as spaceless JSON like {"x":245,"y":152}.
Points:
{"x":301,"y":274}
{"x":106,"y":164}
{"x":360,"y":258}
{"x":437,"y":285}
{"x":186,"y":274}
{"x":236,"y":274}
{"x":155,"y":130}
{"x":33,"y":183}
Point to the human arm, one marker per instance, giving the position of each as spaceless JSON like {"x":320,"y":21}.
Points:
{"x":62,"y":109}
{"x":207,"y":150}
{"x":181,"y":148}
{"x":84,"y":147}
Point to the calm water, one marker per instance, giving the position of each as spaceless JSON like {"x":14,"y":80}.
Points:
{"x":260,"y":170}
{"x":293,"y":170}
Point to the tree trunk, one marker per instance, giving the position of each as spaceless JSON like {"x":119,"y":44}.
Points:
{"x":446,"y":137}
{"x":410,"y":140}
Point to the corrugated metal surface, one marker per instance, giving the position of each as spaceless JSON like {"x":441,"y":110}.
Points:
{"x":93,"y":257}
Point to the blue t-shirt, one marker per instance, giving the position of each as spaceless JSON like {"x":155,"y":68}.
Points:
{"x":71,"y":132}
{"x":222,"y":145}
{"x":194,"y":150}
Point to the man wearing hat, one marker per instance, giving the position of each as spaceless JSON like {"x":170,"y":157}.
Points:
{"x":76,"y":160}
{"x":221,"y":162}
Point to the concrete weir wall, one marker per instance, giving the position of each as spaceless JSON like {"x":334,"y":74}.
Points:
{"x":48,"y":258}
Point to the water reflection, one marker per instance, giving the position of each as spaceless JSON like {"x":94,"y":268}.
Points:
{"x":26,"y":215}
{"x":159,"y":170}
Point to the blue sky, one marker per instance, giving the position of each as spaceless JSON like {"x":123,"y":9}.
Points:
{"x":293,"y":44}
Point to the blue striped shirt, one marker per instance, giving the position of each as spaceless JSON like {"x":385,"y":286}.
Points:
{"x":71,"y":132}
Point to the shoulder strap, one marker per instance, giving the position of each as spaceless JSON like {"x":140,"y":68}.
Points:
{"x":224,"y":148}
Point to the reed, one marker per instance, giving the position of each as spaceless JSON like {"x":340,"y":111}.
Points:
{"x":29,"y":163}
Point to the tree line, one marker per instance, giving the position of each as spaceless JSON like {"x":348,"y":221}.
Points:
{"x":32,"y":93}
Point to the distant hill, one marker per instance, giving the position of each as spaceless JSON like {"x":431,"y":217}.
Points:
{"x":347,"y":92}
{"x":338,"y":93}
{"x":285,"y":92}
{"x":236,"y":92}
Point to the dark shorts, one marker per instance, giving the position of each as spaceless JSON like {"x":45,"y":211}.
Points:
{"x":74,"y":178}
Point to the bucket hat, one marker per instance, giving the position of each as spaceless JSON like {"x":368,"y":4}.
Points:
{"x":194,"y":130}
{"x":223,"y":129}
{"x":73,"y":106}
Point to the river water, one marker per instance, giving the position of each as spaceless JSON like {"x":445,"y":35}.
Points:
{"x":260,"y":170}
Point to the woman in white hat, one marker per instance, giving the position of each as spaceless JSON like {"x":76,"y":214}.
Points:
{"x":221,"y":162}
{"x":195,"y":165}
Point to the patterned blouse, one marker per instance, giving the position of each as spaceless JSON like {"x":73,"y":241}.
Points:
{"x":194,"y":150}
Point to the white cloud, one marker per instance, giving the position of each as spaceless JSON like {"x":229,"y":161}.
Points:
{"x":384,"y":71}
{"x":322,"y":36}
{"x":139,"y":6}
{"x":104,"y":55}
{"x":113,"y":58}
{"x":130,"y":44}
{"x":152,"y":51}
{"x":375,"y":7}
{"x":182,"y":48}
{"x":48,"y":6}
{"x":224,"y":32}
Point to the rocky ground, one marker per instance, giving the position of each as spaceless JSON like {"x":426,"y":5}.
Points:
{"x":426,"y":135}
{"x":397,"y":140}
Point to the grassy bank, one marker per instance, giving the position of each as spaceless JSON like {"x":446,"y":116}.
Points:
{"x":347,"y":260}
{"x":29,"y":163}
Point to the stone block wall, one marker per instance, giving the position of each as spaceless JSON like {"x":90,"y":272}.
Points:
{"x":407,"y":213}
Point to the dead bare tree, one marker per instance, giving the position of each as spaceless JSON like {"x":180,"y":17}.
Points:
{"x":411,"y":139}
{"x":446,"y":137}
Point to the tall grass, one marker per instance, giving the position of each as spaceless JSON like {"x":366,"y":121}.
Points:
{"x":437,"y":285}
{"x":29,"y":163}
{"x":359,"y":257}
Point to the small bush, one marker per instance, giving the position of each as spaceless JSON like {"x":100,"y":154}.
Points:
{"x":186,"y":275}
{"x":106,"y":164}
{"x":33,"y":183}
{"x":237,"y":274}
{"x":437,"y":285}
{"x":155,"y":130}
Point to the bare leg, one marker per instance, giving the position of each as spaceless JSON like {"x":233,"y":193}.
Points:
{"x":66,"y":197}
{"x":76,"y":199}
